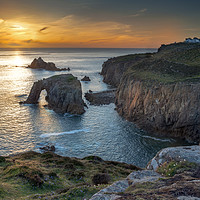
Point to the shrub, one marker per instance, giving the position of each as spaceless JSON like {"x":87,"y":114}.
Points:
{"x":100,"y":179}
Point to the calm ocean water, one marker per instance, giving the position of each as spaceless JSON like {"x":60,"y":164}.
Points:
{"x":100,"y":131}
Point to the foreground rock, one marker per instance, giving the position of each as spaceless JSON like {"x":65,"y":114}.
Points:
{"x":101,"y":98}
{"x":41,"y":64}
{"x":178,"y":154}
{"x":177,"y":177}
{"x":159,"y":91}
{"x":111,"y":192}
{"x":64,"y":94}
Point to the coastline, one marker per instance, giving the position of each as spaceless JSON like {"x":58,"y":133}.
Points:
{"x":158,"y":91}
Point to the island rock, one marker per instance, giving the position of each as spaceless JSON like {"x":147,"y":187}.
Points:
{"x":64,"y":94}
{"x":41,"y":64}
{"x":86,"y":78}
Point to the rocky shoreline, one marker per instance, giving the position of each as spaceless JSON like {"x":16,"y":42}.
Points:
{"x":159,"y":91}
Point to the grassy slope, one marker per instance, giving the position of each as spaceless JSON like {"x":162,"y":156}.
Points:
{"x":172,"y":63}
{"x":49,"y":176}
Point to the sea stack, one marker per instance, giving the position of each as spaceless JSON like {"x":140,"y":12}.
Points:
{"x":64,"y":94}
{"x":41,"y":64}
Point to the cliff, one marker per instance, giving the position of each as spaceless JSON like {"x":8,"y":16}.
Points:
{"x":159,"y":91}
{"x":64,"y":94}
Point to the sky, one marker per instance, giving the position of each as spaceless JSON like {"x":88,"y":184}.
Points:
{"x":97,"y":23}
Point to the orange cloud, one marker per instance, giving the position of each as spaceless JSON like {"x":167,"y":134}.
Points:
{"x":71,"y":31}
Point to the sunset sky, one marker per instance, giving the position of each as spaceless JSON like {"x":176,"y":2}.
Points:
{"x":97,"y":23}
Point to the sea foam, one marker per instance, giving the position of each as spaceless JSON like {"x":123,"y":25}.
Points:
{"x":64,"y":133}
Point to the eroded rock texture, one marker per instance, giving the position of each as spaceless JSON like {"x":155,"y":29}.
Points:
{"x":64,"y":94}
{"x":159,"y":92}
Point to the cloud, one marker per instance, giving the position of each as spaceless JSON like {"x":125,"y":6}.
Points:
{"x":28,"y":41}
{"x":1,"y":20}
{"x":143,"y":10}
{"x":139,"y":13}
{"x":42,"y":29}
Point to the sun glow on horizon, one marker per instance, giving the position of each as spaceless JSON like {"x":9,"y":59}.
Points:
{"x":17,"y":60}
{"x":72,"y":32}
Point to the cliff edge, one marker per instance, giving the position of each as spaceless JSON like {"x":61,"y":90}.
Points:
{"x":159,"y":91}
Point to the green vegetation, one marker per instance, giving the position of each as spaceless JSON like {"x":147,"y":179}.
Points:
{"x":68,"y":77}
{"x":173,"y":167}
{"x":133,"y":57}
{"x":172,"y":63}
{"x":33,"y":175}
{"x":71,"y":78}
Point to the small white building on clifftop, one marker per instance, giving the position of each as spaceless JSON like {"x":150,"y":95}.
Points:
{"x":194,"y":40}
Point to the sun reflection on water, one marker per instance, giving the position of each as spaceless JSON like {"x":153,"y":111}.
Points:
{"x":17,"y":59}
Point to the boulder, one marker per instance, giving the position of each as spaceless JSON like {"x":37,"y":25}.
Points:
{"x":41,"y":64}
{"x":64,"y":94}
{"x":185,"y":153}
{"x":101,"y":98}
{"x":86,"y":78}
{"x":48,"y":148}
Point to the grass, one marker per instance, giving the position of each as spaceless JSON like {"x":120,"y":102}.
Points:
{"x":174,"y":167}
{"x":172,"y":63}
{"x":33,"y":175}
{"x":133,"y":57}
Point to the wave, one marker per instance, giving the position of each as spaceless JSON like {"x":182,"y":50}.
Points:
{"x":158,"y":139}
{"x":64,"y":133}
{"x":154,"y":138}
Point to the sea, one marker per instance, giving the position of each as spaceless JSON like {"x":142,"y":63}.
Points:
{"x":99,"y":131}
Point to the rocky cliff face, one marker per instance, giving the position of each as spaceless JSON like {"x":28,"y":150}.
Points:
{"x":113,"y":69}
{"x":64,"y":94}
{"x":172,"y":110}
{"x":159,"y":92}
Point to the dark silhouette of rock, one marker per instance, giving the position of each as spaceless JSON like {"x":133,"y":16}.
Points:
{"x":41,"y":64}
{"x":86,"y":78}
{"x":64,"y":94}
{"x":48,"y":148}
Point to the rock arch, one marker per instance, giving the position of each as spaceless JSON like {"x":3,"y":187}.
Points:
{"x":64,"y":94}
